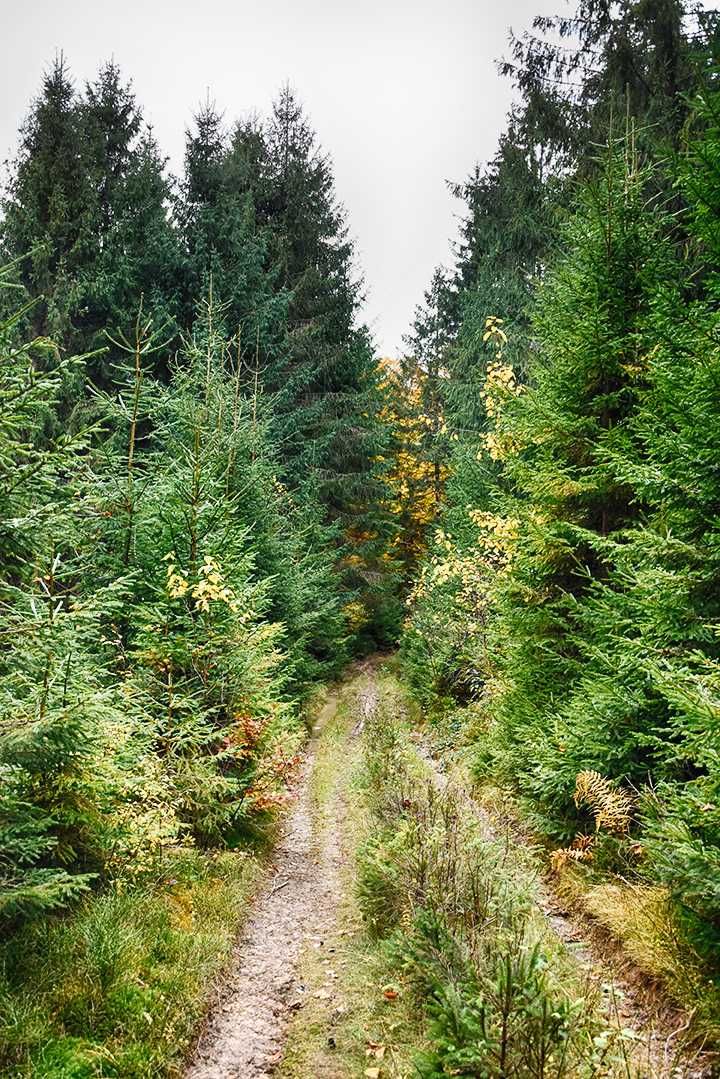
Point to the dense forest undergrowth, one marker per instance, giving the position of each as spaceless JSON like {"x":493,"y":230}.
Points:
{"x":214,"y":497}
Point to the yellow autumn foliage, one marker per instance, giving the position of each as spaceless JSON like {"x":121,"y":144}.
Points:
{"x":415,"y":481}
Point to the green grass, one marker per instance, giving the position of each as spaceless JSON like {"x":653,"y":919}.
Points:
{"x":635,"y":921}
{"x":117,"y":986}
{"x":455,"y":911}
{"x":631,"y":926}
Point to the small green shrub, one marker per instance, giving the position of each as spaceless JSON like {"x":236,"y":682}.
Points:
{"x":454,"y":908}
{"x":506,"y":1018}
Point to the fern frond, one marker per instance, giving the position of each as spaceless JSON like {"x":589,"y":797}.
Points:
{"x":579,"y":851}
{"x":611,"y":808}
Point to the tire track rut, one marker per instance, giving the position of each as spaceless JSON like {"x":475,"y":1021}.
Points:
{"x":245,"y":1034}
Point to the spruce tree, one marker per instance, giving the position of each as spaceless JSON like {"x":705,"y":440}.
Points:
{"x":325,"y":377}
{"x":56,"y":706}
{"x":49,"y":204}
{"x":593,"y":328}
{"x":138,"y":257}
{"x":227,"y":247}
{"x":203,"y":652}
{"x":89,"y":199}
{"x":648,"y":641}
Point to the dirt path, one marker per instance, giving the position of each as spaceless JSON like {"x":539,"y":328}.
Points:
{"x":297,"y":911}
{"x":245,"y":1035}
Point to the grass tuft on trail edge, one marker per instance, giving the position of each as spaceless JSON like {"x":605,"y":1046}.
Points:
{"x":117,"y":987}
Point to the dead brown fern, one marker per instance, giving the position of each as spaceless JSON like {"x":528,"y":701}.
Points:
{"x":611,"y":808}
{"x":579,"y":851}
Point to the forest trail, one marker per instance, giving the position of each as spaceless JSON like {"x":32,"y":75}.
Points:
{"x":245,"y":1034}
{"x":299,"y":912}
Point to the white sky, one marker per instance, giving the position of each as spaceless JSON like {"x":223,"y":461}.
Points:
{"x":404,"y":95}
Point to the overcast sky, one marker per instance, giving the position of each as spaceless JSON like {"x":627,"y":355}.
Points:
{"x":404,"y":95}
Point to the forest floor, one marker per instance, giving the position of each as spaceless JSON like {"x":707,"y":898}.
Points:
{"x":308,"y":993}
